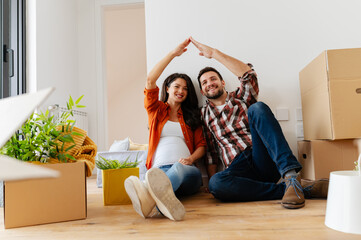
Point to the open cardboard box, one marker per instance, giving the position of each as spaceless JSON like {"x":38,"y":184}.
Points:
{"x":40,"y":201}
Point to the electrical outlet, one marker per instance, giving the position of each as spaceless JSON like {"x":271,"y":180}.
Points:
{"x":282,"y":114}
{"x":299,"y":130}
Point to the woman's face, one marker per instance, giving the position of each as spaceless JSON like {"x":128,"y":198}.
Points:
{"x":177,"y":91}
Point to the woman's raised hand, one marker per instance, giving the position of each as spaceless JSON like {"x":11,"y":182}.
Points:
{"x":157,"y":70}
{"x":181,"y":48}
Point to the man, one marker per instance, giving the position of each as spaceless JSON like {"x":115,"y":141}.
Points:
{"x":246,"y":137}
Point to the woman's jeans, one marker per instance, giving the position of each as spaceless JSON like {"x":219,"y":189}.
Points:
{"x":253,"y":174}
{"x":185,"y":179}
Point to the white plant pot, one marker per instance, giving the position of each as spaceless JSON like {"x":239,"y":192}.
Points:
{"x":343,"y":212}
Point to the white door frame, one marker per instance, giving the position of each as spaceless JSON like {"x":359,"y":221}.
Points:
{"x":102,"y":105}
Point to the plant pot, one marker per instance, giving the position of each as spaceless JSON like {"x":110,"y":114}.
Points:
{"x":113,"y":185}
{"x":343,"y":212}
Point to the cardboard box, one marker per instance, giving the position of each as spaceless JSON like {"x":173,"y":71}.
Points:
{"x":320,"y":157}
{"x":331,"y":95}
{"x":39,"y":201}
{"x":113,"y":185}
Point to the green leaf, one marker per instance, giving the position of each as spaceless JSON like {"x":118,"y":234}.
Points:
{"x":71,"y":102}
{"x":67,"y":127}
{"x":76,"y":134}
{"x":70,"y":157}
{"x":72,"y":146}
{"x":80,"y":106}
{"x":78,"y":100}
{"x":67,"y":138}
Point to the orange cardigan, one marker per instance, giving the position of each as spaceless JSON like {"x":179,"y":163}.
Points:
{"x":158,"y":115}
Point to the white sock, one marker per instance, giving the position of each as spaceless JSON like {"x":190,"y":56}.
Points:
{"x":291,"y":173}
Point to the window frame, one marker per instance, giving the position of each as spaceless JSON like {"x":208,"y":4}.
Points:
{"x":13,"y":48}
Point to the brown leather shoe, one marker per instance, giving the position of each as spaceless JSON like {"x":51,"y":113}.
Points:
{"x":315,"y":188}
{"x":293,"y":197}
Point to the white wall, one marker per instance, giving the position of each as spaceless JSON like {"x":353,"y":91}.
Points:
{"x":279,"y":37}
{"x":56,"y":58}
{"x":87,"y":65}
{"x":61,"y":52}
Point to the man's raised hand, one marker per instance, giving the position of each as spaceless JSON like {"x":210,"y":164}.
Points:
{"x":204,"y":50}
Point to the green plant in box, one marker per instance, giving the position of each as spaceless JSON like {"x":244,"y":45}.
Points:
{"x":105,"y":164}
{"x":42,"y":136}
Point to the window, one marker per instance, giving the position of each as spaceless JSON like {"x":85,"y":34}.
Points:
{"x":12,"y":47}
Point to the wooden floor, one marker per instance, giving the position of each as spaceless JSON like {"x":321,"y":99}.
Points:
{"x":206,"y":218}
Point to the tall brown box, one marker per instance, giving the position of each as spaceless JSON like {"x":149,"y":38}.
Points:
{"x":39,"y":201}
{"x":331,"y":95}
{"x":320,"y":157}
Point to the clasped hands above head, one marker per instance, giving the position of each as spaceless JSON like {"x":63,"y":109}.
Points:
{"x":204,"y":50}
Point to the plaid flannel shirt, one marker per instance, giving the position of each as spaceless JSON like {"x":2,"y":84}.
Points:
{"x":227,"y":131}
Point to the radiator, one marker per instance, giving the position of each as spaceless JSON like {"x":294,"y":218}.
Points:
{"x":80,"y":117}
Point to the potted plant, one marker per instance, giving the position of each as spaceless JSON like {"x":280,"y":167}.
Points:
{"x":114,"y":174}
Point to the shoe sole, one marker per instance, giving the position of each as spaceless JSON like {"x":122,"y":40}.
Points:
{"x":132,"y":187}
{"x":160,"y":188}
{"x":292,"y":206}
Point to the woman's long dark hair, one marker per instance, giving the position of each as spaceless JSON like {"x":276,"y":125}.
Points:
{"x":191,"y":113}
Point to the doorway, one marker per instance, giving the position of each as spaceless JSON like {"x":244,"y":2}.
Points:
{"x":125,"y":72}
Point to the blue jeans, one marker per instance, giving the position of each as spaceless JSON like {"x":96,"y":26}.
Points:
{"x":185,"y":179}
{"x":254,"y":173}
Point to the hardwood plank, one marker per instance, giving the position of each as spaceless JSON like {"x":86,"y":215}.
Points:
{"x":206,"y":218}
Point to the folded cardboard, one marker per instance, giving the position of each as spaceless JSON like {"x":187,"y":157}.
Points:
{"x":113,"y":185}
{"x":331,"y":95}
{"x":40,"y":201}
{"x":320,"y":157}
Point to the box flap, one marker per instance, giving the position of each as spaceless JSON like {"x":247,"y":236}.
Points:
{"x":344,"y":64}
{"x":315,"y":99}
{"x":314,"y":75}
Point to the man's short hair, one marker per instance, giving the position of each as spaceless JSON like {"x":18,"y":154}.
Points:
{"x":207,"y":69}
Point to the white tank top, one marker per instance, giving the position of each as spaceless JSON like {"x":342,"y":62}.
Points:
{"x":220,"y":108}
{"x":171,"y":146}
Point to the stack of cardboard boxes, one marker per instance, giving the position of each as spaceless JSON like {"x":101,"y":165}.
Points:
{"x":331,"y":108}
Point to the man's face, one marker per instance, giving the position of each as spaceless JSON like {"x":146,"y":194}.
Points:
{"x":212,"y":85}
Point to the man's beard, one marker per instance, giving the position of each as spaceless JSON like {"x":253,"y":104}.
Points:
{"x":216,"y":95}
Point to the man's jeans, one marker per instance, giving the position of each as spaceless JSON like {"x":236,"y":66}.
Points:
{"x":254,"y":173}
{"x":185,"y":179}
